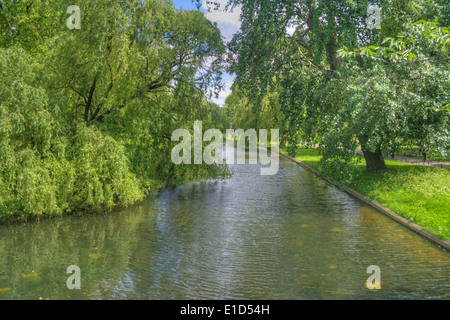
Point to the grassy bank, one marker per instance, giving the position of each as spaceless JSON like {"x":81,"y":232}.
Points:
{"x":418,"y":193}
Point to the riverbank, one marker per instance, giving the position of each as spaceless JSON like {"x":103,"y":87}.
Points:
{"x":419,"y":194}
{"x":252,"y":237}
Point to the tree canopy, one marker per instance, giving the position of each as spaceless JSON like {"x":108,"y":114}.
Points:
{"x":87,"y":114}
{"x":342,"y":84}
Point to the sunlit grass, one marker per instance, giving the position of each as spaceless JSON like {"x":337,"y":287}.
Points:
{"x":418,"y":193}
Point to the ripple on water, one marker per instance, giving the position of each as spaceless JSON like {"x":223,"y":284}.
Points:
{"x":251,"y":237}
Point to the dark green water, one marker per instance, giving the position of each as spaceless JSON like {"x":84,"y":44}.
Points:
{"x":250,"y":237}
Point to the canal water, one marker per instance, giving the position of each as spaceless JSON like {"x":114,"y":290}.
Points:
{"x":286,"y":236}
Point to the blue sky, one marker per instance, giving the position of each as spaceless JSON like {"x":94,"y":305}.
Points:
{"x":186,"y":4}
{"x":228,"y":24}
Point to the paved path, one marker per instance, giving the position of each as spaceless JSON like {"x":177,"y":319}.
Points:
{"x":429,"y":163}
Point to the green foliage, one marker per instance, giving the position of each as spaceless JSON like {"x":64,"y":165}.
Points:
{"x":102,"y":173}
{"x":43,"y":171}
{"x":339,"y":81}
{"x":422,"y":41}
{"x":242,"y":113}
{"x":29,"y":23}
{"x":339,"y":157}
{"x":219,"y":117}
{"x":87,"y":114}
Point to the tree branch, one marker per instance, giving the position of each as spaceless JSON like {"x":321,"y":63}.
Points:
{"x":89,"y":100}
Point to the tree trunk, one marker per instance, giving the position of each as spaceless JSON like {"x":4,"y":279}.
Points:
{"x":332,"y":55}
{"x":374,"y":160}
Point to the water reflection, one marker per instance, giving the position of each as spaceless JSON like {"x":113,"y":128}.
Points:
{"x":286,"y":236}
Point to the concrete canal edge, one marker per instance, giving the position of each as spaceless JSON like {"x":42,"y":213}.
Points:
{"x":406,"y":223}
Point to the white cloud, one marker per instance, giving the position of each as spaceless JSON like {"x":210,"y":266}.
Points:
{"x":226,"y":16}
{"x":228,"y":21}
{"x":223,"y":94}
{"x":228,"y":30}
{"x":231,"y":15}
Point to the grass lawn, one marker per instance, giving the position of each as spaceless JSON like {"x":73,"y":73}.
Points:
{"x":418,"y":193}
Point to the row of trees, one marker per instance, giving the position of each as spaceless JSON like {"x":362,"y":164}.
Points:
{"x":336,"y":82}
{"x":86,"y":115}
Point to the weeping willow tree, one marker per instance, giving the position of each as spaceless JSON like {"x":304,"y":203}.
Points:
{"x":87,"y":113}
